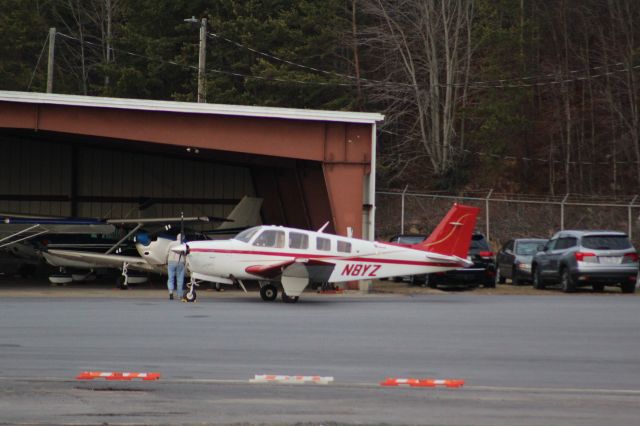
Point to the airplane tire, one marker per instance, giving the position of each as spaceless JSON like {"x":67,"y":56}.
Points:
{"x":289,"y":299}
{"x":60,"y":279}
{"x":269,"y":293}
{"x":190,"y":296}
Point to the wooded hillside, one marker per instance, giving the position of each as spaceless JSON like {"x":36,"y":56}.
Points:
{"x":518,"y":95}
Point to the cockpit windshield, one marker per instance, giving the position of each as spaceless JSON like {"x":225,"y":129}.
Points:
{"x":247,"y":234}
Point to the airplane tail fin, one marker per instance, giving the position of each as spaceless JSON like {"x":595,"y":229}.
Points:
{"x":244,"y":215}
{"x":453,"y":235}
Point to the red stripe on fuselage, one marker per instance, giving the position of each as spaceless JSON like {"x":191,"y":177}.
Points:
{"x":328,"y":257}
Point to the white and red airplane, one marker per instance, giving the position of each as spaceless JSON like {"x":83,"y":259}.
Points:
{"x":294,"y":257}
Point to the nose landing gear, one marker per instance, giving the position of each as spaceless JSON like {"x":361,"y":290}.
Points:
{"x":191,"y":295}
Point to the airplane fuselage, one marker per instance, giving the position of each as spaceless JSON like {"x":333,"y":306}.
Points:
{"x":347,"y":259}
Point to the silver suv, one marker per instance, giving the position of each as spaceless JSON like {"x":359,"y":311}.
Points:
{"x":583,"y":258}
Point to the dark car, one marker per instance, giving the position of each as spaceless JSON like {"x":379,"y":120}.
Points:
{"x":586,"y":258}
{"x":514,"y":260}
{"x":408,"y":239}
{"x":482,"y":272}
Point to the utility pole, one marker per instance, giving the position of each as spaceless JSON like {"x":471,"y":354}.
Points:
{"x":202,"y":58}
{"x":52,"y":46}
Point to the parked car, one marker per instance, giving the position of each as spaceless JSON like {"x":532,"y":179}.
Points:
{"x":482,"y":272}
{"x":586,"y":258}
{"x":408,"y":239}
{"x":514,"y":260}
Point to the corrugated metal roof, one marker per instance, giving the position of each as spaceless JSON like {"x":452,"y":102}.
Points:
{"x":190,"y":107}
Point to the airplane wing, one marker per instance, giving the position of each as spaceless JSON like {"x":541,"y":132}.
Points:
{"x":107,"y":260}
{"x":16,"y":229}
{"x":316,"y":270}
{"x":165,"y":220}
{"x":10,"y":225}
{"x":269,"y":271}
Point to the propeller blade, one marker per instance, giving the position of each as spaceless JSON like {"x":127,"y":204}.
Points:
{"x":181,"y":249}
{"x":181,"y":227}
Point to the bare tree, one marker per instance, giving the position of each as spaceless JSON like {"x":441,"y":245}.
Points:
{"x":423,"y":51}
{"x":101,"y":14}
{"x":90,"y":22}
{"x":624,"y":15}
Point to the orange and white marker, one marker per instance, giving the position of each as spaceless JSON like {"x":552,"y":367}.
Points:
{"x":116,"y":375}
{"x":423,"y":383}
{"x":272,"y":378}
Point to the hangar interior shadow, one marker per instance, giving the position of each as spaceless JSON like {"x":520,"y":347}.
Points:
{"x":59,"y":174}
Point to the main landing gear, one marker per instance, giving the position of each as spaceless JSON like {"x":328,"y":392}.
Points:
{"x":127,"y":278}
{"x":123,"y":280}
{"x":269,"y":293}
{"x":61,"y":278}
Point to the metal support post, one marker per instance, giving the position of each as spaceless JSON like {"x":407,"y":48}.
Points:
{"x":564,"y":200}
{"x":402,"y":210}
{"x":486,"y":207}
{"x":52,"y":46}
{"x":630,"y":217}
{"x":202,"y":59}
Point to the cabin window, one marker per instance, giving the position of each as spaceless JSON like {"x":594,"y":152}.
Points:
{"x":247,"y":234}
{"x":344,"y":246}
{"x":323,"y":244}
{"x":298,"y":240}
{"x":270,"y":238}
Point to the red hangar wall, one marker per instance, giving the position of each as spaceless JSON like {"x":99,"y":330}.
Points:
{"x":309,"y":166}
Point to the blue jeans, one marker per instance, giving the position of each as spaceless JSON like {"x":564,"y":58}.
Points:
{"x":175,"y":270}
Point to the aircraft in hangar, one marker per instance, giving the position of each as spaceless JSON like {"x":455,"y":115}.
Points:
{"x":152,"y":251}
{"x":294,"y":258}
{"x":17,"y":229}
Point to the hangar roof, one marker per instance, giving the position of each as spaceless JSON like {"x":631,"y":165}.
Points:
{"x":190,"y":107}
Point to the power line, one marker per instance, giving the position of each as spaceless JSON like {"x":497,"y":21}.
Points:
{"x":498,"y":83}
{"x":286,"y":61}
{"x":33,"y":74}
{"x":212,"y":70}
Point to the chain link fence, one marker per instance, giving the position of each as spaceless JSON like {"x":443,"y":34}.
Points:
{"x":506,"y":216}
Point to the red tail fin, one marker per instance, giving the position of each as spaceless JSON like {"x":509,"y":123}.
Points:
{"x":453,"y":235}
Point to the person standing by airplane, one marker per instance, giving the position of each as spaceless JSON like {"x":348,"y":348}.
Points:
{"x":175,"y":268}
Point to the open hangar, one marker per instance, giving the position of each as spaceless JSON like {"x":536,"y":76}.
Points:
{"x":67,"y":155}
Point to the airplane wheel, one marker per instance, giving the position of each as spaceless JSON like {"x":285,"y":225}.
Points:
{"x":60,"y":279}
{"x":269,"y":293}
{"x":289,"y":299}
{"x":190,"y":296}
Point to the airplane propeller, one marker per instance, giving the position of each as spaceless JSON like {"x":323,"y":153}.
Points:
{"x":181,"y":227}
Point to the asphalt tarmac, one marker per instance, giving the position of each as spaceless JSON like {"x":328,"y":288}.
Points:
{"x":526,"y":360}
